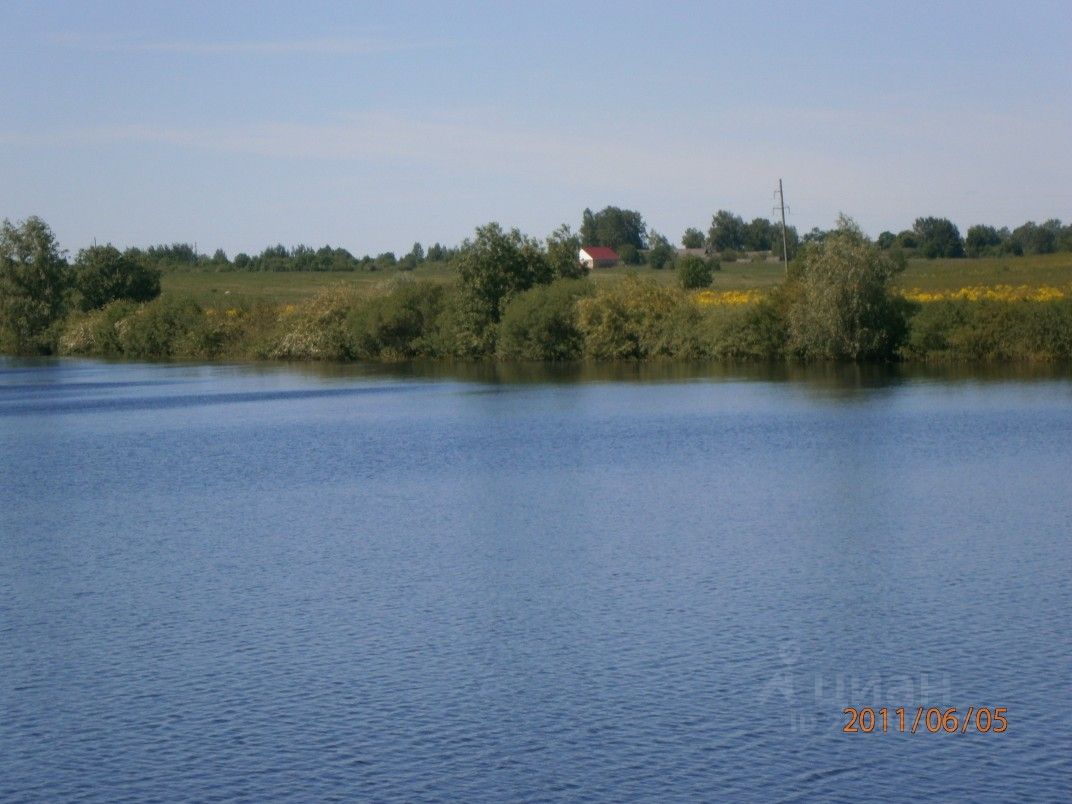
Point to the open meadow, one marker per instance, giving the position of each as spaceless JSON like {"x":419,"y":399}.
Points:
{"x":213,"y":289}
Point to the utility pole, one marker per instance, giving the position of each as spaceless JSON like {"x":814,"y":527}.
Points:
{"x":785,"y":246}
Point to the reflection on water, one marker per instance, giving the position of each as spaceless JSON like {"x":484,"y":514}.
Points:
{"x":515,"y":582}
{"x":825,"y":375}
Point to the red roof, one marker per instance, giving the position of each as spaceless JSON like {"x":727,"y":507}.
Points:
{"x":600,"y":253}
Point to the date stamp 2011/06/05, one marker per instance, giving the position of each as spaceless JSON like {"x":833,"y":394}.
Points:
{"x":984,"y":720}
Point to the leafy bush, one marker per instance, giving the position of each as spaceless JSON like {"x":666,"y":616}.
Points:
{"x":165,"y":328}
{"x":660,"y":252}
{"x":95,"y":332}
{"x":402,"y":323}
{"x":930,"y":327}
{"x":693,"y":272}
{"x":757,"y":331}
{"x":542,"y":323}
{"x":843,"y":308}
{"x":315,"y":330}
{"x":635,"y":319}
{"x":104,"y":274}
{"x":991,"y":330}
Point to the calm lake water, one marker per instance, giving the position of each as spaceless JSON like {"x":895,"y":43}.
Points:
{"x":225,"y":582}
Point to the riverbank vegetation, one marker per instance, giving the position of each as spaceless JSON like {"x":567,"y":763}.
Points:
{"x":507,"y":296}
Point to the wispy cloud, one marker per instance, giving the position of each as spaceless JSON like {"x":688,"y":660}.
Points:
{"x":472,"y":144}
{"x":338,"y":45}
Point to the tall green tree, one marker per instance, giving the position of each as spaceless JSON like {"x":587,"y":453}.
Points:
{"x":981,"y":240}
{"x":494,"y":267}
{"x":760,"y":234}
{"x":34,"y":280}
{"x":613,"y":227}
{"x":693,"y":238}
{"x":726,"y":232}
{"x":938,"y":237}
{"x":1034,"y":239}
{"x":103,"y":274}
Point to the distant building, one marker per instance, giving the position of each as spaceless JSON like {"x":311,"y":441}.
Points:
{"x":598,"y":257}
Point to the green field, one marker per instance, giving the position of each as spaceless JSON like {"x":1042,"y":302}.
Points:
{"x":215,"y":289}
{"x":226,"y":289}
{"x":1053,"y":270}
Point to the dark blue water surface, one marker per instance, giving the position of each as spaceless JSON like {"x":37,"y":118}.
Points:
{"x":278,"y":583}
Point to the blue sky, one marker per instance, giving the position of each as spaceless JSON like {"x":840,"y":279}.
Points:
{"x":371,"y":125}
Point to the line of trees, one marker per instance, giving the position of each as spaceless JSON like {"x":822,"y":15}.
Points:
{"x":625,"y":230}
{"x":939,"y":237}
{"x":930,"y":237}
{"x":184,"y":256}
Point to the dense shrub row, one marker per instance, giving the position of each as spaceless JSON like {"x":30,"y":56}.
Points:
{"x":1023,"y":330}
{"x":635,"y":319}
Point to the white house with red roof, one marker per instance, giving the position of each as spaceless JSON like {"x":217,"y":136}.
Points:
{"x":598,"y":257}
